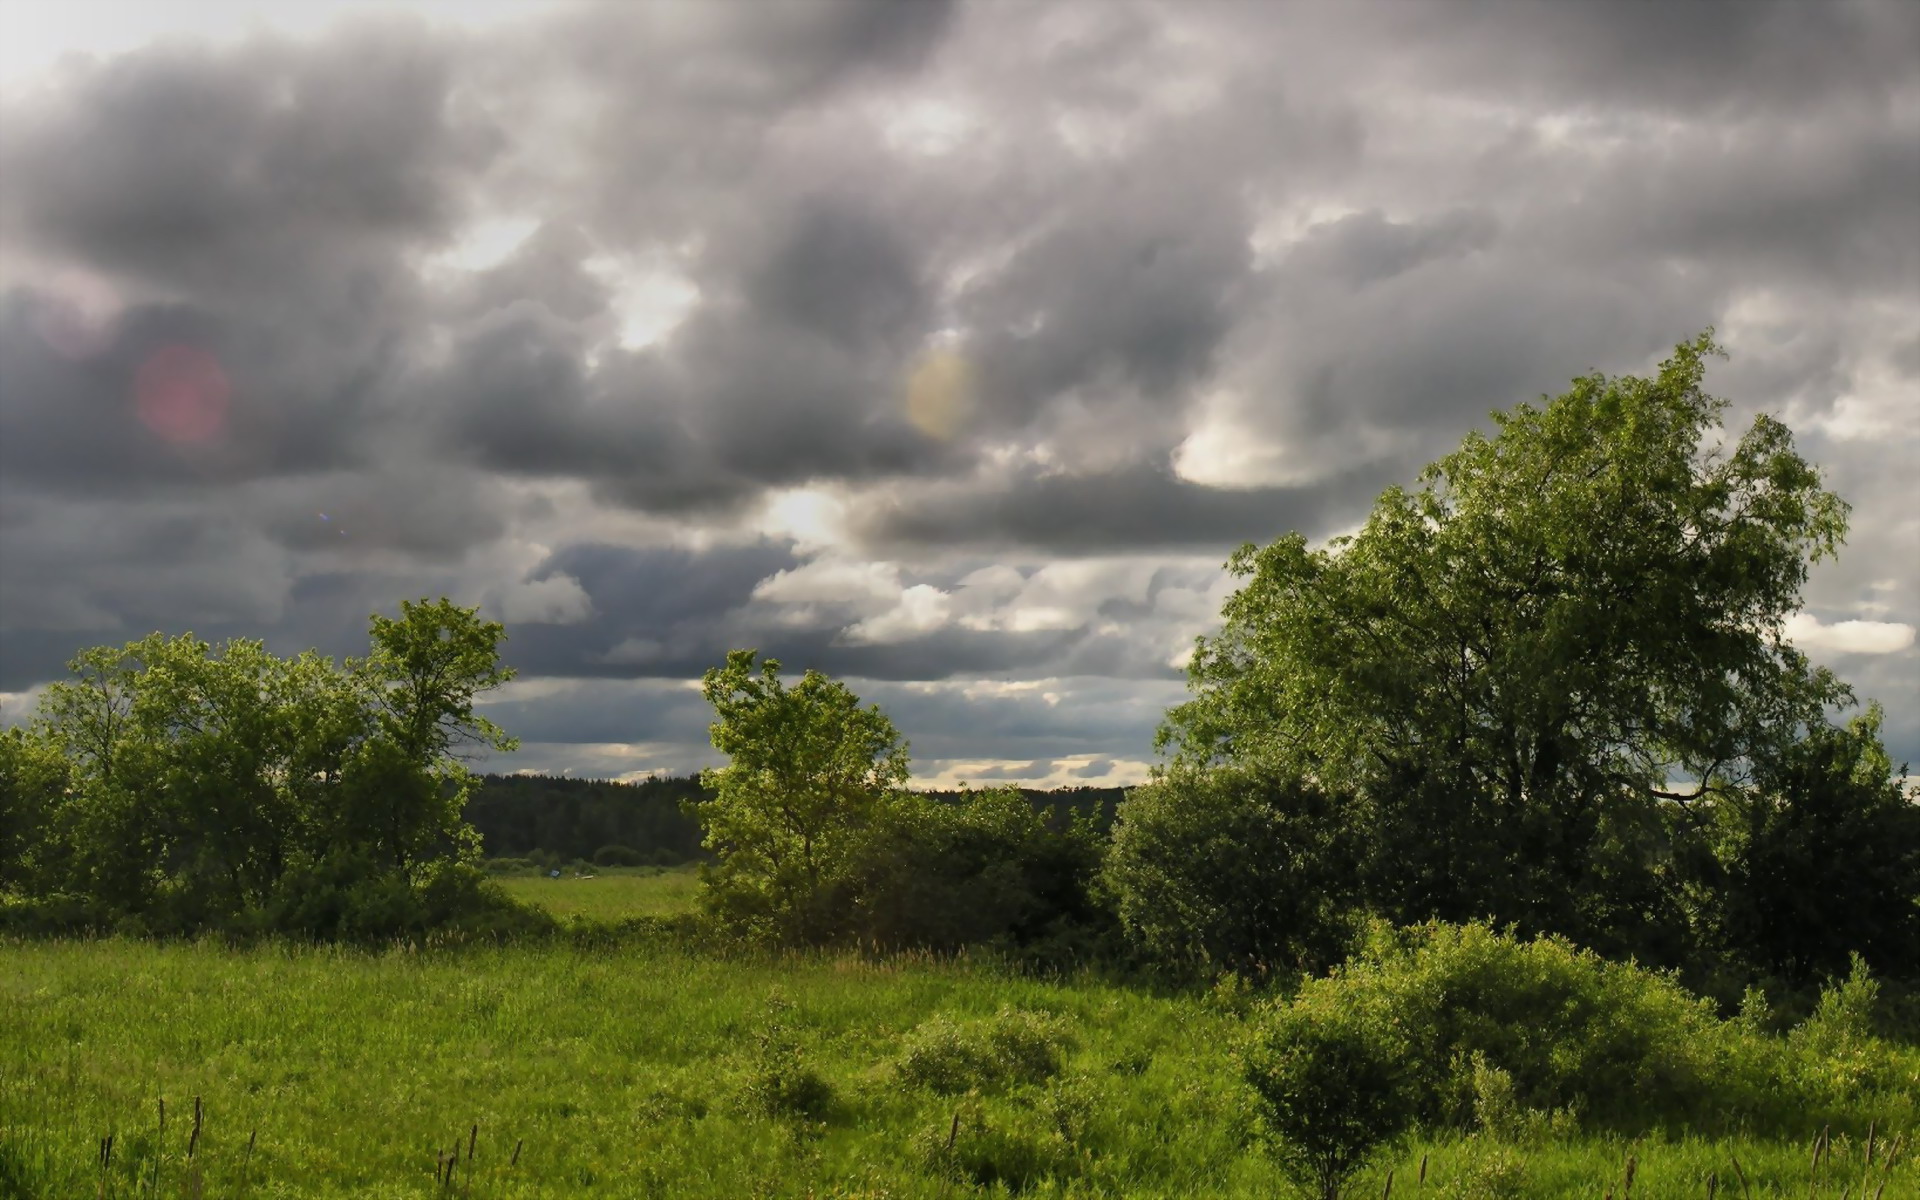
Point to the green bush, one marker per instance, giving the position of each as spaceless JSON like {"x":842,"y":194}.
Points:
{"x":1559,"y":1032}
{"x":1013,"y":1047}
{"x":982,"y":868}
{"x":779,"y":1081}
{"x":346,"y":898}
{"x":1331,"y":1089}
{"x":1227,"y":869}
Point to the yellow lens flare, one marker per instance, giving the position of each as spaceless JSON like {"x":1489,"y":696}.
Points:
{"x":940,"y":394}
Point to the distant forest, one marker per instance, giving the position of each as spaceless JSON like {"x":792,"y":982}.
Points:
{"x":558,"y":819}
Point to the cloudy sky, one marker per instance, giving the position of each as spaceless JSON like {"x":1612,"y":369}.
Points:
{"x":948,"y":348}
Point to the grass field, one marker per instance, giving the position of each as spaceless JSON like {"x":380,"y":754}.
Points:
{"x":643,"y":1071}
{"x":609,"y":894}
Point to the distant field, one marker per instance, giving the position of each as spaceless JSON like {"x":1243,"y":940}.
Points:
{"x":609,"y":894}
{"x":634,"y":1072}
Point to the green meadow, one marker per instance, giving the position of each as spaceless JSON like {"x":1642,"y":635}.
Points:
{"x":643,"y":1070}
{"x":608,"y":893}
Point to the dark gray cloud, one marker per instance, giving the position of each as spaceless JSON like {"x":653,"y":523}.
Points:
{"x":937,"y":345}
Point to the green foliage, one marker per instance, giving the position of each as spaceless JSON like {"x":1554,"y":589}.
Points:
{"x":1530,"y":1035}
{"x":980,"y":866}
{"x":1330,"y":1089}
{"x":33,"y":791}
{"x":808,"y":769}
{"x":780,"y":1082}
{"x":816,"y":841}
{"x":172,"y":785}
{"x":1234,"y":869}
{"x":1012,"y":1048}
{"x":1818,"y":860}
{"x":1838,"y":1047}
{"x":1508,"y":664}
{"x":1016,"y":1150}
{"x":1488,"y":1170}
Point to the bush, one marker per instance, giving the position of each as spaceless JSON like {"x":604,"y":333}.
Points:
{"x":1331,"y":1088}
{"x":779,"y":1082}
{"x":982,"y":868}
{"x":618,"y":856}
{"x":1233,"y":870}
{"x":1014,"y":1047}
{"x":1624,"y":1048}
{"x":347,"y":898}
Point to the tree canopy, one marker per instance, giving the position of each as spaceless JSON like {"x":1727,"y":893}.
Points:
{"x":1542,"y":666}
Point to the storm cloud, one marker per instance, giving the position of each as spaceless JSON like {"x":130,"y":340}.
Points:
{"x":947,"y":347}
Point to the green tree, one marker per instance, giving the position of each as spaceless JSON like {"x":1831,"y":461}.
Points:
{"x":34,"y":779}
{"x":1511,"y":663}
{"x":1331,"y":1089}
{"x":194,"y":781}
{"x":809,"y":772}
{"x":1817,"y":864}
{"x":405,"y":787}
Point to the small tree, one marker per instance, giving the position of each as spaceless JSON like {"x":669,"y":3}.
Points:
{"x":809,"y":771}
{"x":409,"y":783}
{"x":1330,"y":1089}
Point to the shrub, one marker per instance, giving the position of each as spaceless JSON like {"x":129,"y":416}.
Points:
{"x":618,"y":856}
{"x":984,"y":867}
{"x":1331,"y":1088}
{"x":1626,"y":1048}
{"x":1014,"y":1047}
{"x":1230,"y":869}
{"x":1836,"y":1047}
{"x":347,"y":898}
{"x":1487,"y":1171}
{"x":780,"y":1082}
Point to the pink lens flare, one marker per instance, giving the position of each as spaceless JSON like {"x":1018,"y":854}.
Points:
{"x":181,"y":394}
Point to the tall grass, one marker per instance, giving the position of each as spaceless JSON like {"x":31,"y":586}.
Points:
{"x":640,"y":1071}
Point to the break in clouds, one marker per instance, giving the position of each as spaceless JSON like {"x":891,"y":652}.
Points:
{"x":948,"y":348}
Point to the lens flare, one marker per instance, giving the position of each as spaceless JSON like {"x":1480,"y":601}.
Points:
{"x":940,"y":394}
{"x":181,"y":395}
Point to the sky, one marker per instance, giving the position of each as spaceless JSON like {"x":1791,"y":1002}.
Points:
{"x":948,"y":348}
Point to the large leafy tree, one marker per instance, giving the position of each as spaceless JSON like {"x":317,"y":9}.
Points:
{"x":1519,"y":664}
{"x":809,"y":771}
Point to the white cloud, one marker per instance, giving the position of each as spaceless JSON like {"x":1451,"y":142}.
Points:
{"x":1849,"y":637}
{"x":921,"y":610}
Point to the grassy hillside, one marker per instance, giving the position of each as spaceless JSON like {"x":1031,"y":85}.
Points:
{"x":645,"y":1072}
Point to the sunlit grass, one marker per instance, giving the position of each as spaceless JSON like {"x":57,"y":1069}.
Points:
{"x":623,"y":1073}
{"x":609,"y":894}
